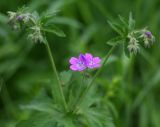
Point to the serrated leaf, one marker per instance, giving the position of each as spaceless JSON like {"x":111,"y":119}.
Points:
{"x":54,"y":29}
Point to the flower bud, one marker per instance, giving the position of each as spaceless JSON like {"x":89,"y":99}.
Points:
{"x":147,"y":37}
{"x":36,"y":36}
{"x":133,"y":46}
{"x":19,"y":17}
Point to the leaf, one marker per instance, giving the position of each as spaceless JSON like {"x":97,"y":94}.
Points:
{"x":54,"y":29}
{"x":35,"y":16}
{"x":47,"y":17}
{"x":115,"y":28}
{"x":123,"y":20}
{"x":39,"y":120}
{"x":115,"y":41}
{"x":131,"y":22}
{"x":65,"y":76}
{"x":42,"y":105}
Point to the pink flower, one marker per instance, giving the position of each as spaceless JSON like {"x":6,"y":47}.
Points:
{"x":78,"y":64}
{"x":84,"y":62}
{"x":92,"y":62}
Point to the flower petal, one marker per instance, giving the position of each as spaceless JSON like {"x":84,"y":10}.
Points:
{"x":73,"y":67}
{"x":82,"y":68}
{"x":73,"y":60}
{"x":88,"y":56}
{"x":82,"y":58}
{"x":96,"y":60}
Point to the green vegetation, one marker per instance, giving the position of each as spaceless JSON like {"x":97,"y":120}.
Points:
{"x":124,"y":93}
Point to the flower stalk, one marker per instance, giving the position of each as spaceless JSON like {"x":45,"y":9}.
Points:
{"x":82,"y":96}
{"x":56,"y":74}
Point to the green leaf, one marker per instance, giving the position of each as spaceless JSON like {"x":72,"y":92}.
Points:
{"x":131,"y":22}
{"x":116,"y":28}
{"x":39,"y":120}
{"x":47,"y":17}
{"x":44,"y":104}
{"x":54,"y":29}
{"x":65,"y":76}
{"x":115,"y":41}
{"x":123,"y":20}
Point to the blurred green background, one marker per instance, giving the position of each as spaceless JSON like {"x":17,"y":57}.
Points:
{"x":132,"y":85}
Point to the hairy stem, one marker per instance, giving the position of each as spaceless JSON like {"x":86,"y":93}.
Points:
{"x":56,"y":74}
{"x":82,"y":97}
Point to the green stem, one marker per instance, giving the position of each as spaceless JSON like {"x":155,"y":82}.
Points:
{"x":56,"y":73}
{"x":93,"y":79}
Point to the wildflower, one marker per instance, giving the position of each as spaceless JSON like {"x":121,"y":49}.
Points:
{"x":78,"y":64}
{"x":148,"y":38}
{"x":84,"y":62}
{"x":133,"y":46}
{"x":92,"y":62}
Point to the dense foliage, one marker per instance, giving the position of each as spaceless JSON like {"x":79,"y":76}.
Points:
{"x":124,"y":94}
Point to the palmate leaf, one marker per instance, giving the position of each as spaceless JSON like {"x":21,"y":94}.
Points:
{"x":94,"y":112}
{"x":38,"y":120}
{"x":43,"y":104}
{"x":51,"y":119}
{"x":53,"y":29}
{"x":46,"y":114}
